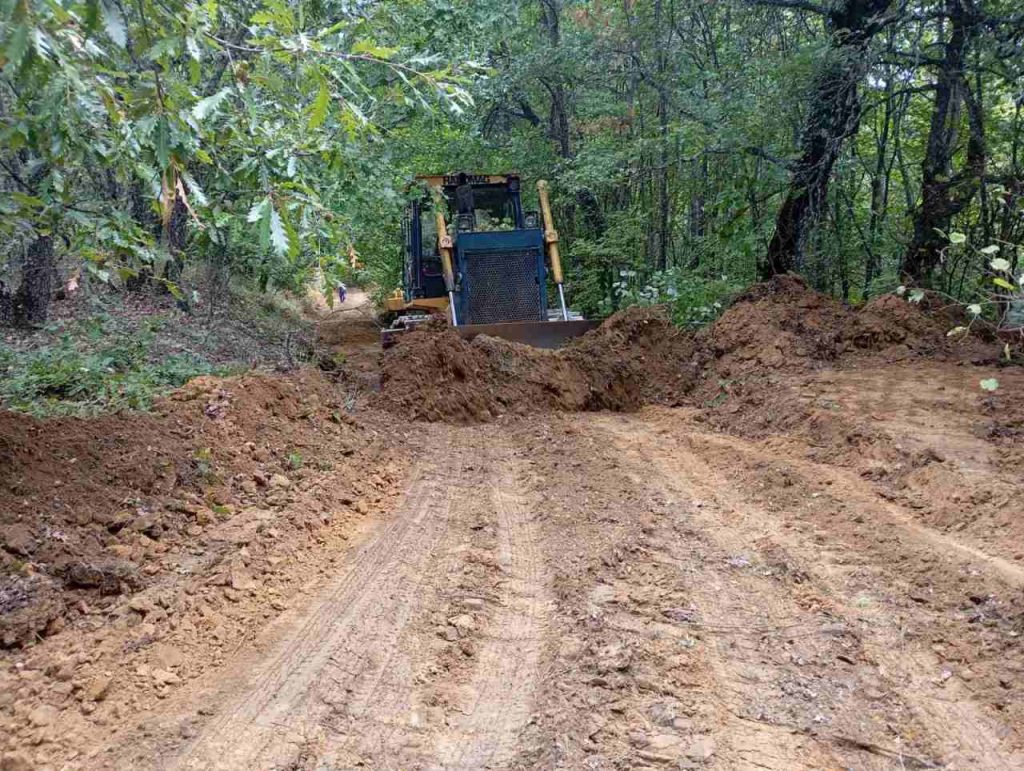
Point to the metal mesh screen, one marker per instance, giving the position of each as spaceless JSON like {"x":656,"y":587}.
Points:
{"x":503,"y":286}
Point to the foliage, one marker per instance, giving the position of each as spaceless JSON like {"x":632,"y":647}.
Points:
{"x":265,"y":140}
{"x":82,"y":377}
{"x":243,"y":123}
{"x":692,"y":299}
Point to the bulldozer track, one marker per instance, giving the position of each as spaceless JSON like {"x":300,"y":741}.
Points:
{"x":963,"y":735}
{"x":599,"y":591}
{"x":485,"y":734}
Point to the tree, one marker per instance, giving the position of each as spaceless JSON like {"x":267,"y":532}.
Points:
{"x":833,"y":115}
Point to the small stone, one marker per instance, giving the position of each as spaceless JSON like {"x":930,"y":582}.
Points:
{"x":18,"y":539}
{"x":98,"y":688}
{"x":16,"y":761}
{"x":141,"y":604}
{"x":701,"y":749}
{"x":249,"y":486}
{"x":280,"y":482}
{"x":664,"y":742}
{"x":449,"y":633}
{"x":166,"y":657}
{"x":204,"y":516}
{"x":361,"y":507}
{"x":148,"y":524}
{"x":164,"y":677}
{"x":473,"y":603}
{"x":43,"y":715}
{"x":463,"y":623}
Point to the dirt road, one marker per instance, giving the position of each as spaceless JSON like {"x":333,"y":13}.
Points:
{"x":817,"y":567}
{"x":625,"y":591}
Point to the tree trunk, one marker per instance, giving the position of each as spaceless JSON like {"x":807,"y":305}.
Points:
{"x":29,"y":305}
{"x":558,"y":119}
{"x":944,"y":194}
{"x":832,"y":115}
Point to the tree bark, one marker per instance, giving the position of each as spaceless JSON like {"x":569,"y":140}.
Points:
{"x":558,"y":118}
{"x":29,"y":305}
{"x":944,"y":194}
{"x":832,"y":115}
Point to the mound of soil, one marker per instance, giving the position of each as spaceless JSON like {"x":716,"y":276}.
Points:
{"x":636,"y":357}
{"x":779,"y":324}
{"x":87,"y":506}
{"x":784,"y":325}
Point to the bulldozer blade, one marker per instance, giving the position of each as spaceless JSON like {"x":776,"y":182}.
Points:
{"x":539,"y":334}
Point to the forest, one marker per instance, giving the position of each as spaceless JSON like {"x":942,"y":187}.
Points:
{"x":751,"y":499}
{"x":692,"y":146}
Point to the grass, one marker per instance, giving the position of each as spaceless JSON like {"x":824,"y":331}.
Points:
{"x":93,"y":366}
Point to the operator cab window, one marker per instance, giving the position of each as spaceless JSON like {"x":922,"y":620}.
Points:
{"x":431,"y":260}
{"x":492,"y":209}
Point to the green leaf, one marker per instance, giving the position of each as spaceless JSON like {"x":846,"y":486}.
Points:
{"x":1004,"y":284}
{"x":990,"y":249}
{"x":370,"y":48}
{"x":192,"y":47}
{"x":257,"y":210}
{"x":916,"y":295}
{"x":17,"y":45}
{"x":198,"y":196}
{"x":989,"y":384}
{"x":266,"y":219}
{"x":1000,"y":264}
{"x":113,"y":23}
{"x":278,"y":236}
{"x":901,"y":290}
{"x":956,"y":331}
{"x":163,"y":143}
{"x":28,"y":201}
{"x":974,"y":309}
{"x":957,"y":238}
{"x":205,"y":107}
{"x":319,"y":111}
{"x":294,"y":246}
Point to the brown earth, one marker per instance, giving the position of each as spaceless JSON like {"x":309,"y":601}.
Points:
{"x":811,"y":563}
{"x":636,"y":357}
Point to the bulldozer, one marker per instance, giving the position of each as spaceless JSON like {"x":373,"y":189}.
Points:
{"x":475,"y":257}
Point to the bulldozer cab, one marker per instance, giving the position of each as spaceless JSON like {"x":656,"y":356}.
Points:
{"x":473,"y":204}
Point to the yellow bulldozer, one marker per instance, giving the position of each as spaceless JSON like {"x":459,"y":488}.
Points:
{"x":475,"y":257}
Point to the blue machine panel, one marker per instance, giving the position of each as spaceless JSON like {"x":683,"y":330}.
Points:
{"x":501,"y":276}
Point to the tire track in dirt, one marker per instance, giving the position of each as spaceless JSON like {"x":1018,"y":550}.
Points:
{"x":485,"y":734}
{"x":275,"y":713}
{"x":853,"y":490}
{"x":958,"y":729}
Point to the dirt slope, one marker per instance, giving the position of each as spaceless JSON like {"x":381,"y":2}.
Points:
{"x":815,"y":564}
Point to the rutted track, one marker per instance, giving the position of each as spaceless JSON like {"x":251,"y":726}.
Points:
{"x":605,"y":591}
{"x":485,"y":735}
{"x":341,"y":651}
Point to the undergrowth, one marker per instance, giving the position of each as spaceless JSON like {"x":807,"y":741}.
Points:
{"x":81,"y":373}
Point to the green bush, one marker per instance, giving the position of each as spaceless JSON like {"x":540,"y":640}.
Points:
{"x":69,"y":378}
{"x":693,"y":300}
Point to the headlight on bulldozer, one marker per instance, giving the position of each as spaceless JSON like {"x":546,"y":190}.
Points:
{"x":531,"y":219}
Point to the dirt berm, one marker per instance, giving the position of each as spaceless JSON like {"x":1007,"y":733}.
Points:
{"x":638,"y":357}
{"x":634,"y":358}
{"x":92,"y":509}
